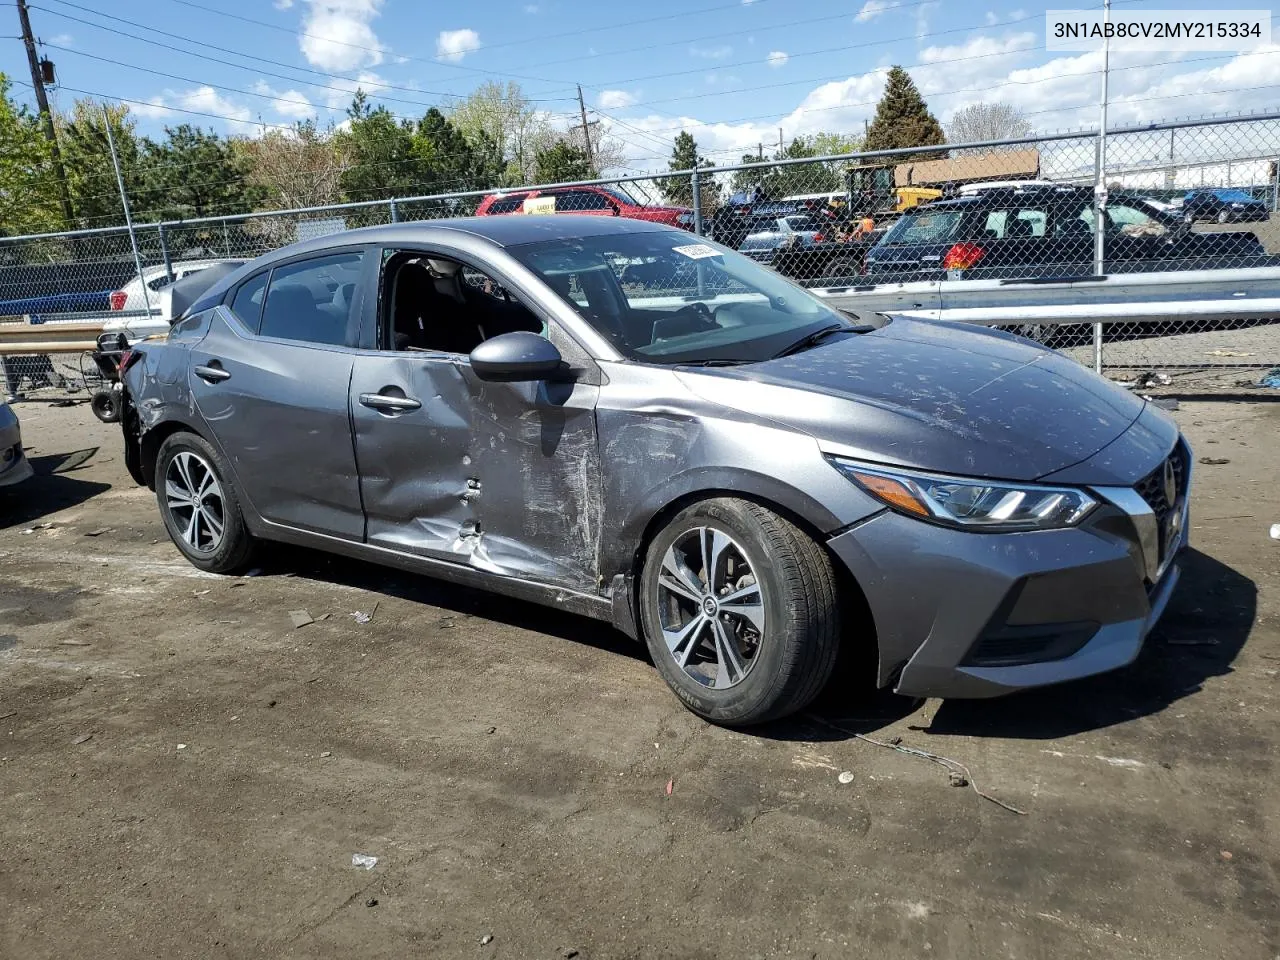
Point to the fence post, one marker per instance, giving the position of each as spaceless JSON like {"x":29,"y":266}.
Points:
{"x":164,"y":252}
{"x":395,"y":212}
{"x":697,"y":202}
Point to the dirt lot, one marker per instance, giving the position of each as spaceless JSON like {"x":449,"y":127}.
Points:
{"x":185,"y":774}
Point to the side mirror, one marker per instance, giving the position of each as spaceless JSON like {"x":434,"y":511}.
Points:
{"x":515,"y":358}
{"x":615,"y":209}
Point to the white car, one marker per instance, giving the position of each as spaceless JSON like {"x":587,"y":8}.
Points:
{"x":14,"y":467}
{"x":129,"y":300}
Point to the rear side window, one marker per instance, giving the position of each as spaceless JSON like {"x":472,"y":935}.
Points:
{"x":571,"y":200}
{"x":312,"y":300}
{"x":508,"y":204}
{"x":934,"y":226}
{"x":247,"y":305}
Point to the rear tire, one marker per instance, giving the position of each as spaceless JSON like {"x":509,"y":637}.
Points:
{"x":105,"y":405}
{"x":199,"y":506}
{"x":739,"y":611}
{"x":842,"y":269}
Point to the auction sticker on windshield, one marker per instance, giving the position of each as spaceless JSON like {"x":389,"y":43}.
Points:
{"x":697,"y":251}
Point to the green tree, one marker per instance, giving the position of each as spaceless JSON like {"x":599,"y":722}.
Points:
{"x":679,"y":190}
{"x":501,"y":114}
{"x":450,"y":161}
{"x":194,"y":173}
{"x":561,"y":162}
{"x":797,"y":178}
{"x":902,"y":117}
{"x":826,"y":144}
{"x":91,"y":176}
{"x":383,"y":160}
{"x":301,"y":167}
{"x":28,"y":195}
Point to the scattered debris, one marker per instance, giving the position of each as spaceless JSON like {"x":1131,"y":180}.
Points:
{"x":83,"y":738}
{"x":671,"y":785}
{"x":76,"y":643}
{"x":568,"y":953}
{"x":198,"y":593}
{"x":1214,"y":461}
{"x":300,"y":618}
{"x":182,"y":746}
{"x":371,"y":902}
{"x":1153,"y":379}
{"x":1121,"y":762}
{"x":361,"y":617}
{"x":845,"y":777}
{"x":959,"y":773}
{"x":98,"y":532}
{"x":1228,"y":353}
{"x":1164,"y":403}
{"x":1225,"y":854}
{"x":486,"y":939}
{"x":326,"y":753}
{"x":364,"y":861}
{"x":1275,"y":531}
{"x":492,"y":730}
{"x":1271,"y":379}
{"x":324,"y":616}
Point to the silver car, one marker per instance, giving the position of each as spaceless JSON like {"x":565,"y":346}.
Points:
{"x":14,"y":466}
{"x":703,"y":455}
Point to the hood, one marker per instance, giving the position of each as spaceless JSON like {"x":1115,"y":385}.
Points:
{"x":934,"y":396}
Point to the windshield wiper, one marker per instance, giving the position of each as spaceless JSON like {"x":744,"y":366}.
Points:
{"x":713,"y":362}
{"x":813,"y":339}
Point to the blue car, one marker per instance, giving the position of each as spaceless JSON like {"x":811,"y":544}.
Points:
{"x":1223,"y":206}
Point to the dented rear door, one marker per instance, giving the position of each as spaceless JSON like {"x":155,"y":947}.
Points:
{"x":501,"y":477}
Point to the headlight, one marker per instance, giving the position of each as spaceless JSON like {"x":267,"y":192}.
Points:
{"x":972,"y":504}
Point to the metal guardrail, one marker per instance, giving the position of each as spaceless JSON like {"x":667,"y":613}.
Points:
{"x":18,"y":339}
{"x":1202,"y":295}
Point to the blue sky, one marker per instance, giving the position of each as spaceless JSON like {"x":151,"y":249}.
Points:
{"x":730,"y":71}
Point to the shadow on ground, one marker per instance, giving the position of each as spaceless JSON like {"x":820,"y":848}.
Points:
{"x":50,"y":490}
{"x":279,"y":559}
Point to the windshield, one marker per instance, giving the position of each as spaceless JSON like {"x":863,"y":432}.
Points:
{"x":667,"y":297}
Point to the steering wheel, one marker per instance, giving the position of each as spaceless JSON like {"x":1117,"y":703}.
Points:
{"x":701,"y":311}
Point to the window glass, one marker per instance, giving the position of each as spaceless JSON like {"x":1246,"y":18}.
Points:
{"x":572,"y":200}
{"x":247,"y":305}
{"x":158,"y":283}
{"x":935,"y":226}
{"x":660,"y":297}
{"x":311,"y":300}
{"x":1134,"y":222}
{"x":508,"y":204}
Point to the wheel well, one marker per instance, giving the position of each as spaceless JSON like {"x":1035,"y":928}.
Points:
{"x":855,"y":610}
{"x":149,"y":446}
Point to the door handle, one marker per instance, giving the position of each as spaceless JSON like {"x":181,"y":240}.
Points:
{"x":212,"y":373}
{"x":380,"y":401}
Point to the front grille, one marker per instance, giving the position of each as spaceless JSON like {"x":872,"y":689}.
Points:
{"x":1152,"y":487}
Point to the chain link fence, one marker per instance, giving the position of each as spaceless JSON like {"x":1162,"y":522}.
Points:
{"x":1039,"y":217}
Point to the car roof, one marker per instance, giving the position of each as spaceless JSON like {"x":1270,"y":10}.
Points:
{"x":500,"y":231}
{"x":1009,"y":196}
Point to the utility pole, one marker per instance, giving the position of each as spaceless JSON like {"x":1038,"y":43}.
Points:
{"x":586,"y":130}
{"x":46,"y":115}
{"x":779,"y":141}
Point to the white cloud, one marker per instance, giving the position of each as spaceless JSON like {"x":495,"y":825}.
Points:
{"x":922,"y":18}
{"x":337,"y":34}
{"x":289,"y":104}
{"x":712,"y":53}
{"x":62,"y":40}
{"x":1017,"y":14}
{"x":200,"y":100}
{"x":453,"y":45}
{"x":747,"y":3}
{"x":615,"y":99}
{"x":282,"y":4}
{"x":991,"y":17}
{"x":531,"y":8}
{"x":873,"y":8}
{"x":777,"y":58}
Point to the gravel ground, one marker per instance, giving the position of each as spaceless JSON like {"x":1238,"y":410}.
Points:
{"x":186,"y":774}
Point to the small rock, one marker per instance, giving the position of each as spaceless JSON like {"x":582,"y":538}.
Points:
{"x":492,"y":730}
{"x":371,"y":902}
{"x":486,"y":939}
{"x":300,"y":618}
{"x":568,"y":953}
{"x":1214,"y":461}
{"x":1225,"y":854}
{"x":182,"y":746}
{"x":98,"y":532}
{"x":364,"y":861}
{"x":327,"y":753}
{"x":83,"y":738}
{"x":845,"y":777}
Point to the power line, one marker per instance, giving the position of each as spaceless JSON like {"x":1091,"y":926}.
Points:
{"x":200,"y":43}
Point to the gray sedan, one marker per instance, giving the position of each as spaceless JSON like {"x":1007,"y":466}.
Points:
{"x":712,"y":460}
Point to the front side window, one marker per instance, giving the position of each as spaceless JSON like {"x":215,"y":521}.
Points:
{"x":509,"y":204}
{"x":662,"y":297}
{"x":1135,"y":222}
{"x":934,"y":226}
{"x":311,"y":300}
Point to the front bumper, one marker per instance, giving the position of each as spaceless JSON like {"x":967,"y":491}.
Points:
{"x":14,"y":466}
{"x":962,"y":614}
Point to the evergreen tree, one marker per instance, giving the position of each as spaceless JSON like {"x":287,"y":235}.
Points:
{"x":194,"y":173}
{"x":679,"y":190}
{"x":902,"y":117}
{"x":383,"y":162}
{"x":562,"y":162}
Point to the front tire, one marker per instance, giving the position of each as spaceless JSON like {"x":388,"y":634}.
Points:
{"x":739,"y":611}
{"x":199,"y":506}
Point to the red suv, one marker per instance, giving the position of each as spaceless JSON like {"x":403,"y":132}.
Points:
{"x":612,"y":201}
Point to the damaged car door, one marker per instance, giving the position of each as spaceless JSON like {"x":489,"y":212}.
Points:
{"x":503,"y":477}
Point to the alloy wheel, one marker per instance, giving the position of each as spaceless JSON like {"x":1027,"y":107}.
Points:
{"x":194,"y":499}
{"x":710,"y":607}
